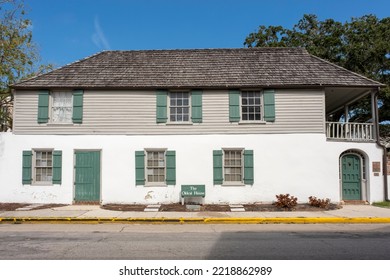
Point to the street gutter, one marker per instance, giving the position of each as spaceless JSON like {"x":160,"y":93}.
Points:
{"x":291,"y":220}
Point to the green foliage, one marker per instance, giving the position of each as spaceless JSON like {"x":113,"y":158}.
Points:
{"x":317,"y":202}
{"x":285,"y":201}
{"x":385,"y":204}
{"x":361,"y":45}
{"x":18,"y":54}
{"x":384,"y":130}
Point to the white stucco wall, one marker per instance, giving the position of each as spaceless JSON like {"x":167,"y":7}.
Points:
{"x":299,"y":164}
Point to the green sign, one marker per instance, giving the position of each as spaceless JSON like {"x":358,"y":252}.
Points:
{"x":193,"y":190}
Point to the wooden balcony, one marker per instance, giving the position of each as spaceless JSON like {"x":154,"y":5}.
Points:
{"x":350,"y":131}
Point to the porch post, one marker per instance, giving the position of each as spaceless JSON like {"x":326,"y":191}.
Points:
{"x":346,"y":113}
{"x":346,"y":126}
{"x":373,"y":114}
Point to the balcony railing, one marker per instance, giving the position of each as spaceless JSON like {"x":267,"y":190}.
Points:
{"x":350,"y":131}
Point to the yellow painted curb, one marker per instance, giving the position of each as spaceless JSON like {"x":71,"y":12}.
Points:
{"x":181,"y":220}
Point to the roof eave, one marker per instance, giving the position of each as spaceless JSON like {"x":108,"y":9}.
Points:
{"x":284,"y":86}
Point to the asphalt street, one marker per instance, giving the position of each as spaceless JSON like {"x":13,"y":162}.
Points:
{"x":199,"y":242}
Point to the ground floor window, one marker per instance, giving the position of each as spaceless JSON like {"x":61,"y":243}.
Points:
{"x":155,"y":166}
{"x":43,"y":167}
{"x":233,"y":166}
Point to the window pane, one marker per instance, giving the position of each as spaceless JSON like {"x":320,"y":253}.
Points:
{"x":43,"y":166}
{"x":179,"y":106}
{"x":156,"y":166}
{"x":233,"y":165}
{"x":62,"y":107}
{"x":250,"y":105}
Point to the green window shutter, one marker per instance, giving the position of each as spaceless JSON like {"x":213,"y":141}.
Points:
{"x":27,"y":167}
{"x":78,"y":106}
{"x":234,"y":106}
{"x":248,"y":167}
{"x":269,"y":105}
{"x":57,"y":167}
{"x":161,"y":111}
{"x":43,"y":106}
{"x":139,"y":168}
{"x":196,"y":106}
{"x":217,"y":167}
{"x":171,"y":167}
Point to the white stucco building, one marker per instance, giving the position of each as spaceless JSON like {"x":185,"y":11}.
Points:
{"x":247,"y":124}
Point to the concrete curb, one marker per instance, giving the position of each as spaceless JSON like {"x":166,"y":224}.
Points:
{"x":277,"y":220}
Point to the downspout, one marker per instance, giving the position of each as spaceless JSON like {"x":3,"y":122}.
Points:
{"x":378,"y":142}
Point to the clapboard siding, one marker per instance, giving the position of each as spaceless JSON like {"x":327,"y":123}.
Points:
{"x":134,"y":113}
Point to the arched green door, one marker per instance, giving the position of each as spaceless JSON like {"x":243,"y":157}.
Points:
{"x":351,"y":177}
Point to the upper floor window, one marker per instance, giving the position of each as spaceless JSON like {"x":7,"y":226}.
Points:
{"x":62,"y":107}
{"x":179,"y":107}
{"x":251,"y":106}
{"x":248,"y":106}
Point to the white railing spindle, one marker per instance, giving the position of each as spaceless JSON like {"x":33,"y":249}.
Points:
{"x":350,"y":131}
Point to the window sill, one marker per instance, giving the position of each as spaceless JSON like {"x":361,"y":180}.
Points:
{"x":179,"y":123}
{"x":252,"y":122}
{"x":155,"y":185}
{"x":60,"y":124}
{"x":42,"y":184}
{"x":233,"y":184}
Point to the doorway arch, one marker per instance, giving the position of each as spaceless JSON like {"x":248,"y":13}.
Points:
{"x":353,"y":175}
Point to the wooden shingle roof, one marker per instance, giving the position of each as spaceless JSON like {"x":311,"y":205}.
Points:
{"x":199,"y":68}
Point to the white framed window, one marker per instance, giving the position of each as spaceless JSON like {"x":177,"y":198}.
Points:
{"x":251,"y":105}
{"x":61,"y":106}
{"x":179,"y":106}
{"x":233,"y":165}
{"x":155,"y":167}
{"x":42,"y":166}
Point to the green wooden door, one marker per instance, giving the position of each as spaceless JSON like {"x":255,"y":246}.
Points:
{"x":87,"y":176}
{"x":351,"y":177}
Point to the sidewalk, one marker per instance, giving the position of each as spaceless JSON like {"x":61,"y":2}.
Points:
{"x":94,"y":214}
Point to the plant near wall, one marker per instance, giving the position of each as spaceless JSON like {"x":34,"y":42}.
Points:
{"x":317,"y":202}
{"x":285,"y":201}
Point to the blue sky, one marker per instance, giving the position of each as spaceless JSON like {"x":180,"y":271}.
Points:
{"x":68,"y":30}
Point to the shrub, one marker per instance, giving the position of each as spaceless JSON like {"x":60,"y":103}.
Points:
{"x":286,"y":201}
{"x":321,"y":203}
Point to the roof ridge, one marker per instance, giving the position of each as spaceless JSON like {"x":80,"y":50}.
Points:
{"x":344,"y":69}
{"x":211,"y":49}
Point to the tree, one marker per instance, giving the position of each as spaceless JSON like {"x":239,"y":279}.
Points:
{"x":361,"y":45}
{"x":18,"y":55}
